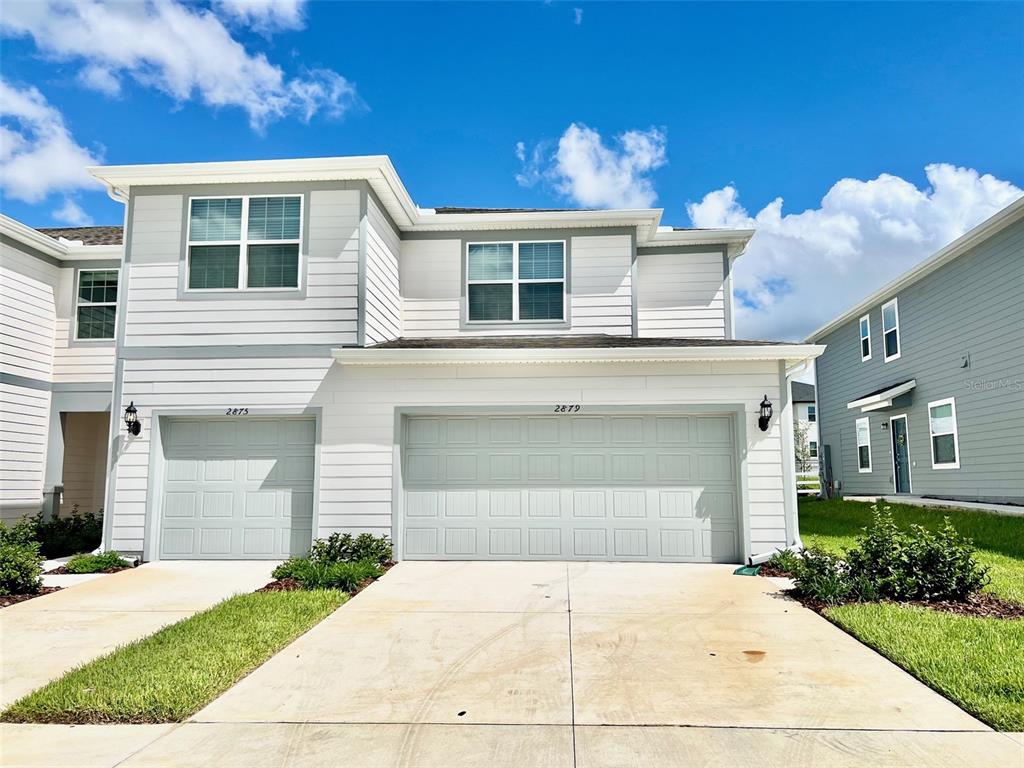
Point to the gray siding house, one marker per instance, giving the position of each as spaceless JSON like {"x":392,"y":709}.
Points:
{"x":921,"y":386}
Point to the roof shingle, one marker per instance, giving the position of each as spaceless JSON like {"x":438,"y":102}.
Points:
{"x":595,"y":341}
{"x":108,"y":235}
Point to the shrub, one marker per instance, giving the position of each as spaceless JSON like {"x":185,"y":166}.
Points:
{"x":345,"y":548}
{"x":68,"y":535}
{"x":822,"y":576}
{"x":317,"y":574}
{"x":106,"y":561}
{"x":785,"y":561}
{"x":21,"y":565}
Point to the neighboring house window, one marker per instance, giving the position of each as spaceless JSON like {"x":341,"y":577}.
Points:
{"x":515,"y":282}
{"x":865,"y":337}
{"x":96,"y":304}
{"x":812,"y":413}
{"x":945,"y":441}
{"x":244,"y":243}
{"x":864,"y":445}
{"x":891,"y":330}
{"x":813,"y":449}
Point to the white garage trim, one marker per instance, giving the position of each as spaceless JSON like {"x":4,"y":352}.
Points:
{"x":734,"y":410}
{"x":157,"y":461}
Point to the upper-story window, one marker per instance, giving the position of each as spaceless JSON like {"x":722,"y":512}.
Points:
{"x":96,"y":304}
{"x":244,"y":243}
{"x":812,"y":413}
{"x":515,"y":282}
{"x":865,"y":337}
{"x":891,"y":330}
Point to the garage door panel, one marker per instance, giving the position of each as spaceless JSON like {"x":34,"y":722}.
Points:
{"x":643,"y":487}
{"x":237,"y":489}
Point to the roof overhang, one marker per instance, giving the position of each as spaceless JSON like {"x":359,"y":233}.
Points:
{"x":789,"y":353}
{"x":883,"y":399}
{"x":1011,"y":214}
{"x":57,"y":248}
{"x":735,"y":240}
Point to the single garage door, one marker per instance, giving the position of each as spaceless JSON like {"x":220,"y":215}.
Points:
{"x":236,"y":489}
{"x":611,"y":487}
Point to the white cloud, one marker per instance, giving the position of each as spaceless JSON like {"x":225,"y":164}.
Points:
{"x":802,"y":269}
{"x":38,"y":154}
{"x":72,"y":214}
{"x":184,"y":51}
{"x":264,"y":16}
{"x":585,"y":170}
{"x":577,"y":16}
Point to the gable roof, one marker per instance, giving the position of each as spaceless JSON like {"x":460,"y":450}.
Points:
{"x":803,"y":393}
{"x":992,"y":226}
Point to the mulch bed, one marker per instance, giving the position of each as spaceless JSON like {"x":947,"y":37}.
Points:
{"x":9,"y":600}
{"x":291,"y":585}
{"x":772,"y":571}
{"x":63,"y":571}
{"x":980,"y":605}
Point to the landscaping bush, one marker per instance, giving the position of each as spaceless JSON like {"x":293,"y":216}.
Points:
{"x":67,"y":535}
{"x":892,"y":564}
{"x":784,"y":561}
{"x":316,"y":574}
{"x":107,"y":561}
{"x":345,"y":548}
{"x":21,"y":565}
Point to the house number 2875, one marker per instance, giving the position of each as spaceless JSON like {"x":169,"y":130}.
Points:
{"x":567,"y":408}
{"x":237,"y":411}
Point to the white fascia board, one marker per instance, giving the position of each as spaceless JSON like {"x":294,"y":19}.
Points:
{"x":24,"y":234}
{"x":645,"y":219}
{"x":735,"y":239}
{"x":791,"y":353}
{"x":992,"y":226}
{"x":882,"y":399}
{"x":94,"y":252}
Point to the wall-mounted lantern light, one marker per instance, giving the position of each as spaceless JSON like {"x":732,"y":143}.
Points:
{"x":766,"y":414}
{"x":131,"y":419}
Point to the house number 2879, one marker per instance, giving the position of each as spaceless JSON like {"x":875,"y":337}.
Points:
{"x":567,"y":408}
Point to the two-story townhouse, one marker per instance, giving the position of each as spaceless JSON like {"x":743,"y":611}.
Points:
{"x":805,"y":413}
{"x":308,"y":351}
{"x":58,"y":298}
{"x":920,"y":387}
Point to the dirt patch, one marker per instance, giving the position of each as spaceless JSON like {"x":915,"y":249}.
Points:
{"x":980,"y":605}
{"x":8,"y":600}
{"x":281,"y":585}
{"x":63,"y":571}
{"x":771,"y":571}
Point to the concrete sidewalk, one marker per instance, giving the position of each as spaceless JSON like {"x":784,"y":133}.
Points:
{"x":1007,"y":510}
{"x":42,"y":638}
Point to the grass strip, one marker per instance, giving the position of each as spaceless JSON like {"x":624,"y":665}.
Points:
{"x":170,"y":675}
{"x":976,"y":663}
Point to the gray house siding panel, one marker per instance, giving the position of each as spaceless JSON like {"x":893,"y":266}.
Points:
{"x":970,"y":307}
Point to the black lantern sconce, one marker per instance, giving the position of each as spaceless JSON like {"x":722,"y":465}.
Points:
{"x":131,"y":419}
{"x":766,"y":414}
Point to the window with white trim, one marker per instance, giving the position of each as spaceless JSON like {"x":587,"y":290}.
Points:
{"x":865,"y":338}
{"x":96,"y":304}
{"x":891,"y":330}
{"x":244,"y":243}
{"x":813,"y":449}
{"x":812,"y":413}
{"x":515,"y":282}
{"x":864,"y":445}
{"x":944,"y":438}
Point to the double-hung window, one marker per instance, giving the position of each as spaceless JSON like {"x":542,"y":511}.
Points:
{"x":812,"y":413}
{"x":244,"y":243}
{"x":864,"y":445}
{"x":96,"y":304}
{"x":813,"y":449}
{"x":891,"y":330}
{"x":942,"y":428}
{"x":515,"y":282}
{"x":865,"y":337}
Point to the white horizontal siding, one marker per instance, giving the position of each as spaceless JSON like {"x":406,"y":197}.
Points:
{"x":24,"y":417}
{"x":28,"y":314}
{"x":327,"y":315}
{"x":383,"y":320}
{"x":359,"y":403}
{"x":601,"y":301}
{"x":681,"y":294}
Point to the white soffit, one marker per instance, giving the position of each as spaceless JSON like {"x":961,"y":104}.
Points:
{"x":883,"y":399}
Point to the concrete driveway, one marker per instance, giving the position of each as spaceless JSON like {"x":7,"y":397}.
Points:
{"x":42,"y":638}
{"x":549,"y":665}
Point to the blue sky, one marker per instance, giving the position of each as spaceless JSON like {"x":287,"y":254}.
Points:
{"x":766,"y":100}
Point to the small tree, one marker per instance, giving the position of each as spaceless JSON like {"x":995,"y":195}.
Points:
{"x":801,"y":448}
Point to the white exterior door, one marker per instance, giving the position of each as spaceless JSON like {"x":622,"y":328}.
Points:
{"x":604,"y":487}
{"x":236,"y":489}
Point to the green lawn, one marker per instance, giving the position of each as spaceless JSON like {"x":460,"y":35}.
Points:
{"x":978,"y":663}
{"x":170,"y":675}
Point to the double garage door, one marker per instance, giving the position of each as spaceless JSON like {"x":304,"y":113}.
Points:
{"x":237,"y":488}
{"x":607,"y":487}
